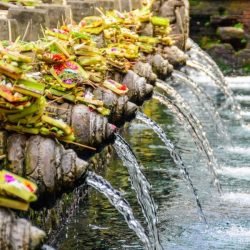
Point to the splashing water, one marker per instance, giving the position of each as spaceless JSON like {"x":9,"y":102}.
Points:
{"x":175,"y":156}
{"x":230,"y":100}
{"x":197,"y":134}
{"x":193,"y":120}
{"x":242,"y":173}
{"x":141,"y":187}
{"x":121,"y":204}
{"x":197,"y":65}
{"x":199,"y":93}
{"x":241,"y":199}
{"x":200,"y":55}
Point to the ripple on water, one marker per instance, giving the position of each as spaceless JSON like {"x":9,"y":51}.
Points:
{"x":241,"y":199}
{"x":243,"y":99}
{"x":238,"y":81}
{"x":238,"y":231}
{"x":235,"y":172}
{"x":245,"y":114}
{"x":239,"y":150}
{"x":219,"y":237}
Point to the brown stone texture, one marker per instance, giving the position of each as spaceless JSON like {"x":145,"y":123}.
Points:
{"x":9,"y":29}
{"x":229,"y":33}
{"x":223,"y":27}
{"x":29,"y":22}
{"x":224,"y":53}
{"x":219,"y":13}
{"x":85,"y":8}
{"x":57,"y":14}
{"x":81,"y":9}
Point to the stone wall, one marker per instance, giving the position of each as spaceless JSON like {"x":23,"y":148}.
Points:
{"x":57,"y":209}
{"x":26,"y":22}
{"x":223,"y":28}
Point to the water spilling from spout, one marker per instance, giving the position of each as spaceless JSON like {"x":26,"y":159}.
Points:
{"x":230,"y":100}
{"x":175,"y":156}
{"x":200,"y":67}
{"x":190,"y":116}
{"x":198,"y":54}
{"x":121,"y":204}
{"x":141,"y":187}
{"x":201,"y":95}
{"x":192,"y":125}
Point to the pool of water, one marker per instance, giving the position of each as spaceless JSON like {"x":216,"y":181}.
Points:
{"x":97,"y":225}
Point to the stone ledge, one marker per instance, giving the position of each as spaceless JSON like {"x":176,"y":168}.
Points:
{"x":29,"y":22}
{"x":57,"y":14}
{"x":9,"y":29}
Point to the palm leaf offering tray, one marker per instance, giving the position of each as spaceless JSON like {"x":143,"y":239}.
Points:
{"x":70,"y":62}
{"x":78,"y":64}
{"x":15,"y":191}
{"x":70,"y":87}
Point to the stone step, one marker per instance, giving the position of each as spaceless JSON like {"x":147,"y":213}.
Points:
{"x":58,"y":14}
{"x":30,"y":20}
{"x":85,"y":8}
{"x":9,"y":29}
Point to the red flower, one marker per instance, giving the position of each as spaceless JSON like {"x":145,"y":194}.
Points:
{"x":59,"y":68}
{"x":58,"y":57}
{"x":65,"y":29}
{"x":123,"y":87}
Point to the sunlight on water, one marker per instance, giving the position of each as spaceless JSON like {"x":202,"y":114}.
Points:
{"x":238,"y":232}
{"x":238,"y":82}
{"x":246,"y":115}
{"x":243,"y":98}
{"x":235,"y":172}
{"x":241,"y":199}
{"x":239,"y":150}
{"x":179,"y":226}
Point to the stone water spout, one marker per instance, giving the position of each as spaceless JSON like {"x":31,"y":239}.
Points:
{"x":120,"y":106}
{"x":155,"y":67}
{"x":174,"y":55}
{"x":17,"y":233}
{"x":145,"y":70}
{"x":160,"y":66}
{"x":139,"y":90}
{"x":45,"y":161}
{"x":89,"y":127}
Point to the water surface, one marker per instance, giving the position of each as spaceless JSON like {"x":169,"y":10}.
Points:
{"x":97,"y":225}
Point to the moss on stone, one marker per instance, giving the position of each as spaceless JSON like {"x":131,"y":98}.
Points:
{"x":208,"y":42}
{"x":194,"y":2}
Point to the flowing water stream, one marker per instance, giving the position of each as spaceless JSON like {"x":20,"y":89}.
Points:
{"x":198,"y":54}
{"x":175,"y":156}
{"x":97,"y":225}
{"x":221,"y":84}
{"x":141,"y":187}
{"x":185,"y":114}
{"x":205,"y":100}
{"x":119,"y":203}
